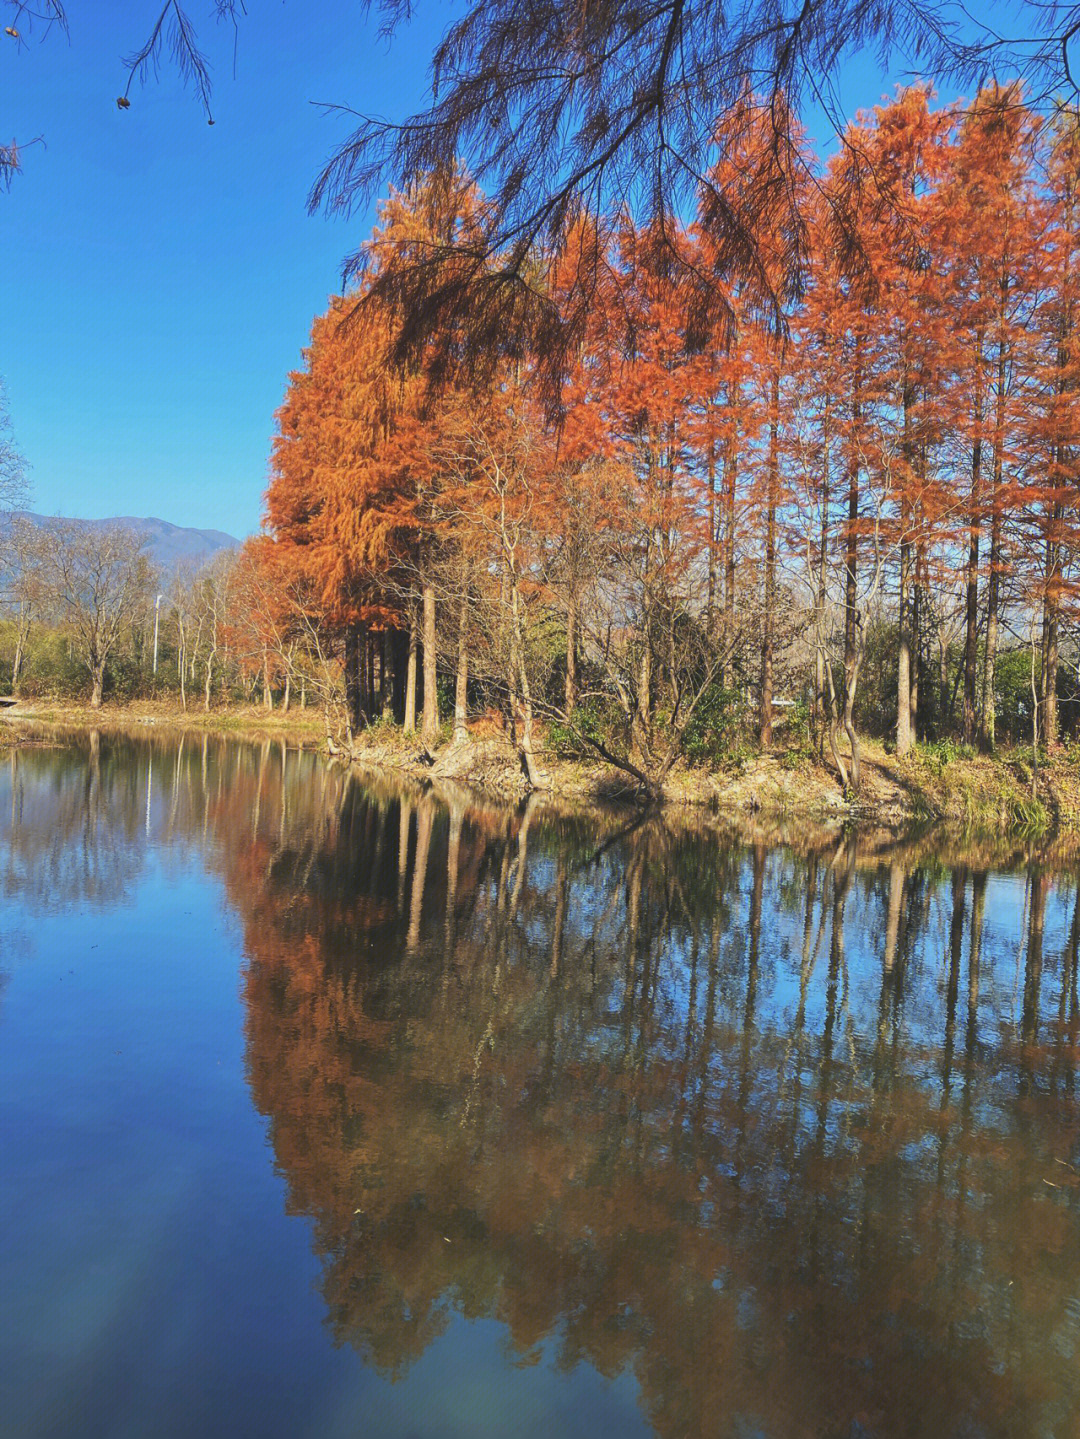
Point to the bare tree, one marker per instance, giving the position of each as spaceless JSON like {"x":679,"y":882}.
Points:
{"x":95,"y":579}
{"x":21,"y":590}
{"x":15,"y":538}
{"x":211,"y":598}
{"x":14,"y":487}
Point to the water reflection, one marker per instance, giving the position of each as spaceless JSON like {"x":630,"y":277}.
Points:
{"x":785,"y":1127}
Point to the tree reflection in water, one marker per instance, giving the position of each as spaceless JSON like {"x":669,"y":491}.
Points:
{"x":786,"y":1127}
{"x":783,"y":1128}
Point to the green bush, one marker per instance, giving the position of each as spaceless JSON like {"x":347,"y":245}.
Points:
{"x":938,"y":754}
{"x":597,"y":718}
{"x":714,"y":733}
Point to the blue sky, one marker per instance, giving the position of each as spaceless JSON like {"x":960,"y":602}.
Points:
{"x":160,"y":275}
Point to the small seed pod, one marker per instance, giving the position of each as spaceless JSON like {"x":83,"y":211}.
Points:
{"x":123,"y":103}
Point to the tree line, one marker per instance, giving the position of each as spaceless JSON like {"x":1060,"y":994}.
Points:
{"x":857,"y":501}
{"x":86,"y":615}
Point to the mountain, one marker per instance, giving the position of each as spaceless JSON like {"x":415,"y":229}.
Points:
{"x":167,"y":546}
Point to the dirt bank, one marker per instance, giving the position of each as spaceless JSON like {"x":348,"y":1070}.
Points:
{"x":979,"y":794}
{"x":970,"y":792}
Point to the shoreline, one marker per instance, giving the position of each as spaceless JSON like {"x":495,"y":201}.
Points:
{"x":932,"y":785}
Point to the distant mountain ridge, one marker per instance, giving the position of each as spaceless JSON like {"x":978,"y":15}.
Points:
{"x":167,"y":546}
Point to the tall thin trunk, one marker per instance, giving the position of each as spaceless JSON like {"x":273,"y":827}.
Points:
{"x":851,"y":546}
{"x":1062,"y":454}
{"x":1051,"y":612}
{"x":431,"y":698}
{"x":517,"y":647}
{"x":461,"y":683}
{"x":22,"y":634}
{"x":731,"y":478}
{"x":571,"y":688}
{"x":768,"y":627}
{"x":918,"y":599}
{"x":993,"y":586}
{"x":386,"y":687}
{"x":714,"y":524}
{"x":409,"y":722}
{"x":643,"y":713}
{"x":820,"y":697}
{"x":353,"y":698}
{"x":971,"y":636}
{"x":903,"y":667}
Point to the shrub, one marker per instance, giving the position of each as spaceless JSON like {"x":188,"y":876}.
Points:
{"x":715,"y":731}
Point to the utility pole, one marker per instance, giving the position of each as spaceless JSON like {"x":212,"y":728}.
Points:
{"x":157,"y":611}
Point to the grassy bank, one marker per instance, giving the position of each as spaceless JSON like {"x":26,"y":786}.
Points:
{"x":1006,"y":792}
{"x":305,"y":725}
{"x":1013,"y":791}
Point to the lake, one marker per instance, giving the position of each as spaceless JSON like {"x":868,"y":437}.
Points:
{"x":332,"y":1107}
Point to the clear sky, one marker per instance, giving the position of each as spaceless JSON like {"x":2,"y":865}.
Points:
{"x":159,"y":275}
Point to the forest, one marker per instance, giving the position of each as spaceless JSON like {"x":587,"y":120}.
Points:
{"x":859,"y":502}
{"x":705,"y":504}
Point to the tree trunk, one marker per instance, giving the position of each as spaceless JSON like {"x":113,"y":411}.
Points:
{"x":643,"y":711}
{"x":97,"y":690}
{"x":820,"y":658}
{"x":431,"y":698}
{"x":903,"y":667}
{"x":1051,"y":609}
{"x":768,"y":627}
{"x":386,"y":686}
{"x":517,"y":643}
{"x":17,"y":664}
{"x":714,"y":535}
{"x":851,"y":545}
{"x":918,"y":600}
{"x":971,"y":637}
{"x":731,"y":475}
{"x":461,"y":682}
{"x":409,"y":721}
{"x":353,"y":677}
{"x":570,"y":691}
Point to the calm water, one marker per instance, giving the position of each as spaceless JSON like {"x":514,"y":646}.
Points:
{"x":328,"y":1109}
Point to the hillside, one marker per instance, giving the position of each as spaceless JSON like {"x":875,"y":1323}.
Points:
{"x":168,"y":546}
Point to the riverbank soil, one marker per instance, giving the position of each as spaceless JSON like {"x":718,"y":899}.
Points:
{"x":1006,"y":791}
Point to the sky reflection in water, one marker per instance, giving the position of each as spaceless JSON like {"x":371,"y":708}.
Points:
{"x":566,"y":1125}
